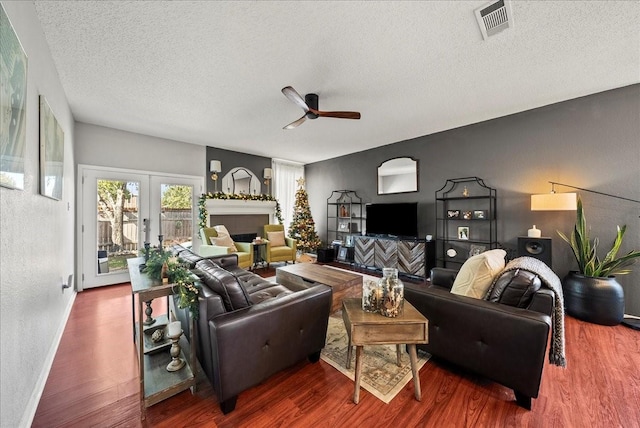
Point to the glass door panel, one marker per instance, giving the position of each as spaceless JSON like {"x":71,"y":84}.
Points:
{"x":176,"y":205}
{"x":118,"y":224}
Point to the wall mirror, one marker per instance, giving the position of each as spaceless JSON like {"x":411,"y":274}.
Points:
{"x":398,"y":175}
{"x":240,"y":181}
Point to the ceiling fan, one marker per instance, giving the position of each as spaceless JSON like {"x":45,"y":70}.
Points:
{"x":310,"y":106}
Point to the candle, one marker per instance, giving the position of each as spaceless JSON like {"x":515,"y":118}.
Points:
{"x":146,"y":229}
{"x":160,"y":224}
{"x":175,"y":329}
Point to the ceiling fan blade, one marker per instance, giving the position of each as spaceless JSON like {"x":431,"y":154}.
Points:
{"x":295,"y":97}
{"x":296,"y":123}
{"x":338,"y":114}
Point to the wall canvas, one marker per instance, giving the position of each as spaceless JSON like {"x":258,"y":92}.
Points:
{"x":13,"y":98}
{"x":51,"y":153}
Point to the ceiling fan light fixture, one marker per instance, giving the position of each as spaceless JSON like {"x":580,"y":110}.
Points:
{"x":310,"y":107}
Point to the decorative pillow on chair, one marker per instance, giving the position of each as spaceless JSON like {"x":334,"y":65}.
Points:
{"x":477,"y":273}
{"x":276,"y":239}
{"x":223,"y":239}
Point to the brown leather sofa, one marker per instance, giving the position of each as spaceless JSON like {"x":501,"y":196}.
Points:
{"x":249,"y":328}
{"x":498,"y":341}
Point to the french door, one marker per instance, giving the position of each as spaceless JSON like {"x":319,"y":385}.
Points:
{"x":120,"y":210}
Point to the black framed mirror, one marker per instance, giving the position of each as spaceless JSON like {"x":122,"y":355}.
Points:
{"x":398,"y":175}
{"x":240,"y":181}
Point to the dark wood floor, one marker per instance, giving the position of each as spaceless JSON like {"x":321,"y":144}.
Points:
{"x":94,"y":382}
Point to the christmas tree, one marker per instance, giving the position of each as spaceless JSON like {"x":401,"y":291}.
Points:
{"x":302,"y":227}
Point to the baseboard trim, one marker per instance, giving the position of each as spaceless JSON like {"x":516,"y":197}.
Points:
{"x":34,"y":400}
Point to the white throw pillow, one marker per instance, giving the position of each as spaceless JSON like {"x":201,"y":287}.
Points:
{"x":223,"y":239}
{"x":276,"y":239}
{"x":477,"y":273}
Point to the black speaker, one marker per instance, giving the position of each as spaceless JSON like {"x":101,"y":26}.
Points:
{"x":539,"y":248}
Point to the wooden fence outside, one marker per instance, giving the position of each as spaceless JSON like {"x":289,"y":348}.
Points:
{"x":177,"y":226}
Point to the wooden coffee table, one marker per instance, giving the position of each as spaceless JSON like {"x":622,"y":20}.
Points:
{"x":365,"y":328}
{"x":344,"y":284}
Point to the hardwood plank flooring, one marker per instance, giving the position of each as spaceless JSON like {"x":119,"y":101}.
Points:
{"x":94,"y":382}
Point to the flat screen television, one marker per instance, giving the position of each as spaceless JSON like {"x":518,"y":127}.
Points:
{"x":393,"y":219}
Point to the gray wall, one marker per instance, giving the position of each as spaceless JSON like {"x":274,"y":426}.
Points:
{"x":229,"y":160}
{"x":37,"y":241}
{"x":591,"y":142}
{"x":100,"y":146}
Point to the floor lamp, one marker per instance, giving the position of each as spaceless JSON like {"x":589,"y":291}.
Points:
{"x":561,"y":201}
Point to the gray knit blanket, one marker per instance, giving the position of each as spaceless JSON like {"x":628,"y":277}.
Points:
{"x":550,"y":280}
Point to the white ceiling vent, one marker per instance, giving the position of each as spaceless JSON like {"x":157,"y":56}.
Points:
{"x":494,"y":17}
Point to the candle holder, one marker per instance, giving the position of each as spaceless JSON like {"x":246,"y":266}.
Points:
{"x":176,"y":362}
{"x":147,"y":246}
{"x":148,"y":311}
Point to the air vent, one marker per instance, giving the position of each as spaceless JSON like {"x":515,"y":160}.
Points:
{"x":494,"y":17}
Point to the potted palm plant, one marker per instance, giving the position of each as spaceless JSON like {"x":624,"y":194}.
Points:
{"x":592,"y":293}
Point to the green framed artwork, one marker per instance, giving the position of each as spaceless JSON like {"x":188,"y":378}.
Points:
{"x":13,"y":98}
{"x":51,"y":152}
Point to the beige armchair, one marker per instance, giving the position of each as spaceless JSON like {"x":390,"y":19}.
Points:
{"x":224,"y":245}
{"x":279,"y":247}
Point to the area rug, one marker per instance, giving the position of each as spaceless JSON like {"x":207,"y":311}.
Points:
{"x":380,"y":374}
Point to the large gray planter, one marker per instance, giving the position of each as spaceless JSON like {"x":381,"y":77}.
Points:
{"x":596,"y":300}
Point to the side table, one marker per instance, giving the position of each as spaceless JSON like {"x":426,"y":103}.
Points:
{"x":259,"y":256}
{"x":156,"y":383}
{"x":365,"y":328}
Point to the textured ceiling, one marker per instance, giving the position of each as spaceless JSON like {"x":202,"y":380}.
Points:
{"x":210,"y":73}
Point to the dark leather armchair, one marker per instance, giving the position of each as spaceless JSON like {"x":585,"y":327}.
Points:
{"x":500,"y":342}
{"x":249,"y":328}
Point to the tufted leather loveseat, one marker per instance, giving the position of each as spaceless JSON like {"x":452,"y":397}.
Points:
{"x":498,"y":341}
{"x":249,"y":328}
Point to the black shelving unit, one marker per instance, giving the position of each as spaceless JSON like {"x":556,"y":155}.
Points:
{"x":465,"y":220}
{"x":345,"y":217}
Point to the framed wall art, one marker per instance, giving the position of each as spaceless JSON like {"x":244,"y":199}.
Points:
{"x":13,"y":99}
{"x":51,"y":153}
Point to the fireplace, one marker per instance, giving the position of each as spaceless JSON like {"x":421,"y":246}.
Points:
{"x":241,"y":217}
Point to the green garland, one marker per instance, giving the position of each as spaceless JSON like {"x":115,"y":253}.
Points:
{"x":184,"y":285}
{"x":202,"y":204}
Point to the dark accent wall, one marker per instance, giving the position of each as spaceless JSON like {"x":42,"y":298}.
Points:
{"x":230,"y":159}
{"x":591,"y":142}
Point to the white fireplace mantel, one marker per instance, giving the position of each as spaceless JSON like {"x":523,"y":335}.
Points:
{"x":240,"y":207}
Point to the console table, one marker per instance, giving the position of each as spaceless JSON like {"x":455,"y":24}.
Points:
{"x":156,"y":383}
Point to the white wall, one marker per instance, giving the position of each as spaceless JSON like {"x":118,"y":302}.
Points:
{"x":37,"y":242}
{"x":100,"y":146}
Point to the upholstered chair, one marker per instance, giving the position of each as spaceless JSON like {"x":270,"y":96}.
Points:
{"x":216,"y":241}
{"x":279,"y":247}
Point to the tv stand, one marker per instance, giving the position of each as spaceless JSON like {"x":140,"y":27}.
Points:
{"x":412,"y":257}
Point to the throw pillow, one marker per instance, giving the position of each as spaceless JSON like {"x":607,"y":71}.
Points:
{"x":223,"y":239}
{"x":276,"y":238}
{"x":515,"y":288}
{"x":477,"y":273}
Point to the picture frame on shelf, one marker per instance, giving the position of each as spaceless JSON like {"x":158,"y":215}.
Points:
{"x":467,"y":215}
{"x":480,"y":214}
{"x":463,"y":233}
{"x":343,"y":253}
{"x":343,"y":227}
{"x":475,"y":249}
{"x":453,"y":214}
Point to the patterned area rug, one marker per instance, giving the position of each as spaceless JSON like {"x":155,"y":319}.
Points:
{"x":380,"y":374}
